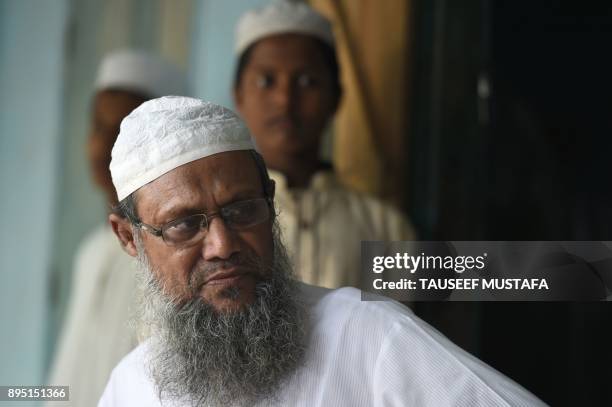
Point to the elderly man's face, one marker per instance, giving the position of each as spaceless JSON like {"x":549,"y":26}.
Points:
{"x":220,"y":267}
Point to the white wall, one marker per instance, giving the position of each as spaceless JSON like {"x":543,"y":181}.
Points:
{"x":31,"y":61}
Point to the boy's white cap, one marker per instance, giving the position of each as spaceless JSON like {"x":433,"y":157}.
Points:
{"x":140,"y":72}
{"x":281,"y":17}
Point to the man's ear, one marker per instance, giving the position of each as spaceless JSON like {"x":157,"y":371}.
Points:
{"x":123,"y":230}
{"x":271,"y":189}
{"x":337,"y":98}
{"x":237,"y":94}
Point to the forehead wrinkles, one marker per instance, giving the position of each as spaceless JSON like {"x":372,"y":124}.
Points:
{"x":217,"y":177}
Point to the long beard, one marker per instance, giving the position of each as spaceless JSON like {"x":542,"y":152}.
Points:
{"x":204,"y":357}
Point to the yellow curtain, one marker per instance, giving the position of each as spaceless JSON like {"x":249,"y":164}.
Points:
{"x":370,"y":130}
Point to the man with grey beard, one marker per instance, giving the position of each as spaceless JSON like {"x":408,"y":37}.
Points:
{"x":227,"y":323}
{"x":220,"y":359}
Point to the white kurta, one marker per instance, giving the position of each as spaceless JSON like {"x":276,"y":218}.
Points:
{"x":96,"y":333}
{"x":323,"y":226}
{"x":360,"y":354}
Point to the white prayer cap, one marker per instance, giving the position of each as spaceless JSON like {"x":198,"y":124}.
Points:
{"x":281,"y":17}
{"x":141,"y":72}
{"x":163,"y":134}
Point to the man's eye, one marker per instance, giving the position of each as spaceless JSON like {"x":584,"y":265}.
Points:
{"x":183,"y":229}
{"x":186,"y":224}
{"x":306,"y":81}
{"x":240,"y":213}
{"x":264,"y":81}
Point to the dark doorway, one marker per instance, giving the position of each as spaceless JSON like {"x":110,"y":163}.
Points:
{"x":511,"y":140}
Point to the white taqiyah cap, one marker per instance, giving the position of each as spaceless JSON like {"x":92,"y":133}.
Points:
{"x":163,"y":134}
{"x":281,"y":17}
{"x":141,"y":72}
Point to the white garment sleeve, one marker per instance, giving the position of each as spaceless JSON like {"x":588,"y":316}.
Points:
{"x":408,"y":373}
{"x":107,"y":397}
{"x":129,"y":384}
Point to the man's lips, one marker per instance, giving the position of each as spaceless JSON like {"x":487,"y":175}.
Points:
{"x":226,"y":276}
{"x":283,"y":122}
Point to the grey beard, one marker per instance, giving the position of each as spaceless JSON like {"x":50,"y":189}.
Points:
{"x":204,"y":357}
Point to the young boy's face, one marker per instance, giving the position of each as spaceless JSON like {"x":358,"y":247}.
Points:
{"x":286,"y":96}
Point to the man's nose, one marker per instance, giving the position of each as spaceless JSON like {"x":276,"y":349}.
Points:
{"x":220,"y":242}
{"x":284,"y":94}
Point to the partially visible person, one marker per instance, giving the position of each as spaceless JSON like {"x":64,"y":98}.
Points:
{"x":287,"y":89}
{"x":96,"y":333}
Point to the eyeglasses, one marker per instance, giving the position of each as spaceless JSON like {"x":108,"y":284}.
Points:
{"x":190,"y":229}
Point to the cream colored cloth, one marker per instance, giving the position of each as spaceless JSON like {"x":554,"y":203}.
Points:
{"x":96,"y":334}
{"x":324,"y":224}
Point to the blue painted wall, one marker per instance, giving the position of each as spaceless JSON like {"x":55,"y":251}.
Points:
{"x":212,"y":59}
{"x":31,"y":63}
